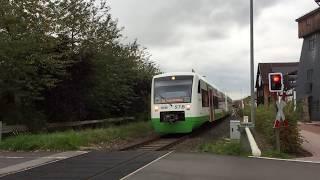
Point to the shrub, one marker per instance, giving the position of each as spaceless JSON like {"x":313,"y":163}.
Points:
{"x":289,"y":137}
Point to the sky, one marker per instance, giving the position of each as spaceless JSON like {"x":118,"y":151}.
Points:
{"x":213,"y":36}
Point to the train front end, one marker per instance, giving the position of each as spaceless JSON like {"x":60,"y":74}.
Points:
{"x":172,"y":107}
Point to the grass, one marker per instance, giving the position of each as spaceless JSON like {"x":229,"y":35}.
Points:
{"x":223,"y":147}
{"x":73,"y":140}
{"x":219,"y":115}
{"x":233,"y":148}
{"x":275,"y":154}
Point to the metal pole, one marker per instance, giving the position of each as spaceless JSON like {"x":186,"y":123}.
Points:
{"x":277,"y":131}
{"x":0,"y":130}
{"x":252,"y":65}
{"x":226,"y":101}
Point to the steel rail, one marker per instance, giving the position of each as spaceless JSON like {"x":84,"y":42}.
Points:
{"x":160,"y":143}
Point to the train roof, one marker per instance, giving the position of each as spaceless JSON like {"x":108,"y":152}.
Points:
{"x":181,"y":74}
{"x":175,"y":74}
{"x":187,"y":74}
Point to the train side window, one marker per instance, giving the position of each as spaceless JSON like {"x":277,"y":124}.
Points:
{"x":205,"y":100}
{"x":212,"y":100}
{"x":199,"y":87}
{"x":216,"y":101}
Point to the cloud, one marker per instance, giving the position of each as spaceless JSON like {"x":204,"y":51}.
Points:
{"x":166,"y":23}
{"x":212,"y":36}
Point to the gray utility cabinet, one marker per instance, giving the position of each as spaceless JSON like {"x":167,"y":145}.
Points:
{"x":234,"y":129}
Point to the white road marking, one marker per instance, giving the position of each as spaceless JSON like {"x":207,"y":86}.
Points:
{"x":30,"y":157}
{"x":134,"y":172}
{"x":11,"y":157}
{"x":288,"y":160}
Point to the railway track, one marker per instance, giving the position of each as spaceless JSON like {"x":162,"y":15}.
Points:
{"x":161,"y":143}
{"x":165,"y":142}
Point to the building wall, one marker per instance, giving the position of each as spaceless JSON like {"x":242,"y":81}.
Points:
{"x":266,"y":94}
{"x":309,"y":25}
{"x":308,"y":82}
{"x":263,"y":97}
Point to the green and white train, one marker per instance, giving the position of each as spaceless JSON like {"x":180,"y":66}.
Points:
{"x":181,"y":102}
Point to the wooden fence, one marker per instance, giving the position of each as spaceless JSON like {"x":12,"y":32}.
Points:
{"x":4,"y":129}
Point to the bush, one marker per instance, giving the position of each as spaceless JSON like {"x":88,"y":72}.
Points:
{"x":289,"y":137}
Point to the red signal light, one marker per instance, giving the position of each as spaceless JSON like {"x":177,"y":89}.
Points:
{"x":276,"y":79}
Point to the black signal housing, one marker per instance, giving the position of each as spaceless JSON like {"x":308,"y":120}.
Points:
{"x":275,"y":82}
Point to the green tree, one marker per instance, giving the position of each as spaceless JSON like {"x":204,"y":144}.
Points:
{"x":63,"y":60}
{"x":29,"y":62}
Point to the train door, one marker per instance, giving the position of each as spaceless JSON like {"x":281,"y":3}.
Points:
{"x":211,"y":108}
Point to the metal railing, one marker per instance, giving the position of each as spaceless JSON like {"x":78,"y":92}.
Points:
{"x":7,"y":129}
{"x":256,"y":152}
{"x":247,"y":140}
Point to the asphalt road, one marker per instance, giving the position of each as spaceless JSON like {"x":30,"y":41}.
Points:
{"x":93,"y":165}
{"x":147,"y":165}
{"x":186,"y":166}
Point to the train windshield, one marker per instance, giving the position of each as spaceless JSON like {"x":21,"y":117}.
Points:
{"x":173,"y":89}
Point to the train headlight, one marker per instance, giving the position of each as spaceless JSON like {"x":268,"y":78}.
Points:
{"x":188,"y":107}
{"x":156,"y":108}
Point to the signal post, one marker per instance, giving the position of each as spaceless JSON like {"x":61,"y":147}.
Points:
{"x":276,"y":86}
{"x":0,"y":130}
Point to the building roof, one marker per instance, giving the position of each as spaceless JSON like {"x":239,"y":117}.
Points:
{"x":308,"y":14}
{"x":284,"y":67}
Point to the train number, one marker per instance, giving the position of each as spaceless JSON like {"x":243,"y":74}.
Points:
{"x":179,"y":106}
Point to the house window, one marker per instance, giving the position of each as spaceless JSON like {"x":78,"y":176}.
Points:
{"x":308,"y":22}
{"x":309,"y":75}
{"x":317,"y":105}
{"x":311,"y":44}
